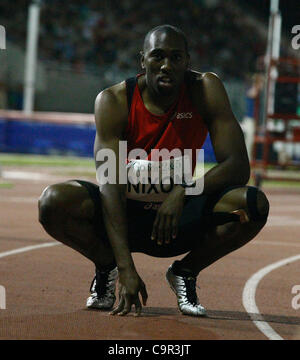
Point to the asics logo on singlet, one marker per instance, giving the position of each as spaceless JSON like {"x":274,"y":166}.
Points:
{"x":187,"y":115}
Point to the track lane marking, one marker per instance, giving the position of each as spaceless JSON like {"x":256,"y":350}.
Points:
{"x":249,"y":290}
{"x":249,"y":296}
{"x":27,"y":248}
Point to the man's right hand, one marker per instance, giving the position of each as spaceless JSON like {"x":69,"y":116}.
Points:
{"x":130,"y":285}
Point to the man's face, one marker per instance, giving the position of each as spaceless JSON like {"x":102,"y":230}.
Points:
{"x":165,"y":61}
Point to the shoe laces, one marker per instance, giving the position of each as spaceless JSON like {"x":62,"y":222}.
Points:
{"x":190,"y":285}
{"x":101,"y":283}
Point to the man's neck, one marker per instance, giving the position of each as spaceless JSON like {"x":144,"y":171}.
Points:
{"x":157,"y":103}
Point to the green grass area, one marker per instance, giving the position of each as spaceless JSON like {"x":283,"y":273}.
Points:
{"x":44,"y":160}
{"x":5,"y":185}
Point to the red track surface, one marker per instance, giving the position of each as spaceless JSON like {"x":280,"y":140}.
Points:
{"x":46,"y":288}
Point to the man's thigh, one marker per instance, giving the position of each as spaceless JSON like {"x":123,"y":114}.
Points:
{"x":200,"y":214}
{"x":141,"y":216}
{"x":197,"y":217}
{"x":140,"y":222}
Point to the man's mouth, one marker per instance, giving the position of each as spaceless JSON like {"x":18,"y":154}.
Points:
{"x":165,"y":81}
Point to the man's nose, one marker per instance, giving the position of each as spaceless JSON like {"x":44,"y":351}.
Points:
{"x":166,"y":65}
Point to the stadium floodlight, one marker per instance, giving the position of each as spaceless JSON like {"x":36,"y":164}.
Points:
{"x":272,"y":53}
{"x":2,"y":38}
{"x":31,"y":55}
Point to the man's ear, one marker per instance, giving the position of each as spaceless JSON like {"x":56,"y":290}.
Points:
{"x":142,"y":59}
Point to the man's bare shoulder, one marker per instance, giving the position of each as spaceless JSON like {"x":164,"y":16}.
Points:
{"x":114,"y":96}
{"x":111,"y":110}
{"x":198,"y":79}
{"x":204,"y":89}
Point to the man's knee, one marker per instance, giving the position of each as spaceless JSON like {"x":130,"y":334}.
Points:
{"x":243,"y":205}
{"x":48,"y":205}
{"x":63,"y":201}
{"x":257,"y":204}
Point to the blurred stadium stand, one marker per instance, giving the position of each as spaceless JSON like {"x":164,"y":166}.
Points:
{"x":87,"y":45}
{"x":94,"y":44}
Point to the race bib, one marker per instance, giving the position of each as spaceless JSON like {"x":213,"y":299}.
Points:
{"x":152,"y":181}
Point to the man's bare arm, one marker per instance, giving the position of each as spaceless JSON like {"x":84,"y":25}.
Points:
{"x":111,"y":119}
{"x":110,"y":125}
{"x":226,"y":136}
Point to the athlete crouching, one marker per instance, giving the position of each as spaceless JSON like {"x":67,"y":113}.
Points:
{"x":168,"y":106}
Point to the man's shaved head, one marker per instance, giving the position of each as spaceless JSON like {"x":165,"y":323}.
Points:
{"x":165,"y":60}
{"x":167,"y":29}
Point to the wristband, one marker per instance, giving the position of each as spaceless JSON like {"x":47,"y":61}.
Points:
{"x":189,"y":184}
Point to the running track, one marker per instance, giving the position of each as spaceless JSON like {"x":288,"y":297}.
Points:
{"x":248,"y":294}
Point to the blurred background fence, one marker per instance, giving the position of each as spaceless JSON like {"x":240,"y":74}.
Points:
{"x":61,"y":88}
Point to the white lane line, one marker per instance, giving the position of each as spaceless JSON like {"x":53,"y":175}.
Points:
{"x":275,"y":243}
{"x":31,"y":176}
{"x":27,"y":248}
{"x":249,"y":296}
{"x":24,"y":175}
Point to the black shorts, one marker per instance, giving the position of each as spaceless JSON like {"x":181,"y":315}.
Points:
{"x":141,"y":216}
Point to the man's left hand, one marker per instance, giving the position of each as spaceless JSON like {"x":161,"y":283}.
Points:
{"x":167,"y":218}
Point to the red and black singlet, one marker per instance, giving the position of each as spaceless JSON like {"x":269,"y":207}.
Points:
{"x":182,"y":127}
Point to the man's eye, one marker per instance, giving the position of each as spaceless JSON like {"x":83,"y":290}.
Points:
{"x":157,"y":56}
{"x":177,"y":57}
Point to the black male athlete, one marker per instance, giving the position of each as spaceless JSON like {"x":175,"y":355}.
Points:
{"x":167,"y":106}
